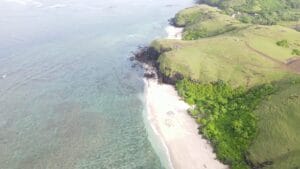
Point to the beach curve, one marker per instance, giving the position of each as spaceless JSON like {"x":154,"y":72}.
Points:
{"x":177,"y":131}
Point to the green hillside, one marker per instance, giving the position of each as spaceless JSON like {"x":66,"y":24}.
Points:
{"x":278,"y":140}
{"x":248,"y":56}
{"x":204,"y":21}
{"x":242,"y":78}
{"x":259,"y":11}
{"x":260,"y":124}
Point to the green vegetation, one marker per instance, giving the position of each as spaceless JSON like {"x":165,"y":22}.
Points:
{"x":291,"y":24}
{"x":233,"y":70}
{"x":245,"y":57}
{"x":243,"y":78}
{"x":296,"y":52}
{"x":283,"y":43}
{"x":204,"y":21}
{"x":226,"y":116}
{"x":278,"y":139}
{"x":259,"y":11}
{"x":260,"y":124}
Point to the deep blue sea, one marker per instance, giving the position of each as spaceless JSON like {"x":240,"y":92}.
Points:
{"x":69,"y":98}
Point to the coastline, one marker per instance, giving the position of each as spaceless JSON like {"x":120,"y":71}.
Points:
{"x":177,"y":131}
{"x":154,"y":135}
{"x":174,"y":128}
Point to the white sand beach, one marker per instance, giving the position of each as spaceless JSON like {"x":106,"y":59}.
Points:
{"x":177,"y":130}
{"x":174,"y":127}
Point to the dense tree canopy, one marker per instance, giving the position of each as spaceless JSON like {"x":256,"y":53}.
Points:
{"x":259,"y":11}
{"x":226,"y":116}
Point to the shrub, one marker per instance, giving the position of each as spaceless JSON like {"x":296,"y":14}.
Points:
{"x":296,"y":52}
{"x":283,"y":43}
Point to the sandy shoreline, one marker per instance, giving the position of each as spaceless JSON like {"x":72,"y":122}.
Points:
{"x":175,"y":129}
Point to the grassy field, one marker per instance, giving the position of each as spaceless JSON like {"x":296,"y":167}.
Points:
{"x":204,"y":21}
{"x":244,"y":57}
{"x":264,"y":38}
{"x":291,"y":24}
{"x":278,"y":139}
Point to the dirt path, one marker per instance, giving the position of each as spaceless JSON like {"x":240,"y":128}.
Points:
{"x":264,"y":55}
{"x":293,"y":65}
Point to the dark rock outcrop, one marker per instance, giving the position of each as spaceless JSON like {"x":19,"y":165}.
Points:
{"x":149,"y":56}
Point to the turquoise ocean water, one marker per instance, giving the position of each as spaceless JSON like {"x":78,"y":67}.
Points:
{"x":69,"y":98}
